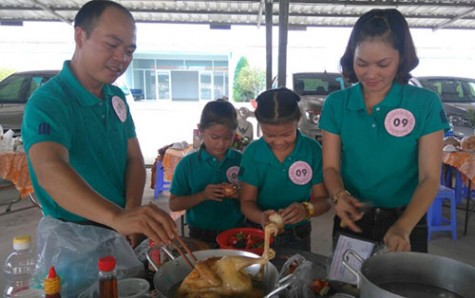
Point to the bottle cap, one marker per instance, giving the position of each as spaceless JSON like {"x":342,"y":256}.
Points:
{"x":106,"y":263}
{"x":52,"y":282}
{"x":22,"y":242}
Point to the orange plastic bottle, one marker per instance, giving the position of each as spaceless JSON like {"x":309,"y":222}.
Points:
{"x":52,"y":284}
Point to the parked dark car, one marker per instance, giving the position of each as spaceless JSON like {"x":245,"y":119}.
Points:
{"x":457,"y":95}
{"x":313,"y":88}
{"x":15,"y":91}
{"x":18,"y":87}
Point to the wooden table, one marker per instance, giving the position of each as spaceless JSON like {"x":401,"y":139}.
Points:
{"x":171,"y":159}
{"x":14,"y":167}
{"x":464,"y":162}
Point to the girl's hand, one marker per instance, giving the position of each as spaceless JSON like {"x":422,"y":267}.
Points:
{"x":265,"y":217}
{"x":294,"y":213}
{"x":397,"y":239}
{"x":347,"y":208}
{"x":214,"y":192}
{"x":231,"y":191}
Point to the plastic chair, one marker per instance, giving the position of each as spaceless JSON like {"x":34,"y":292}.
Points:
{"x":160,"y":183}
{"x":435,"y":221}
{"x":461,"y":190}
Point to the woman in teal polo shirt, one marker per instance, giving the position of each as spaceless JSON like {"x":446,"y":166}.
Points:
{"x":282,"y":171}
{"x":205,"y":182}
{"x":382,"y":138}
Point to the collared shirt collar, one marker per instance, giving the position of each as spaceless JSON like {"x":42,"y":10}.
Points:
{"x":390,"y":100}
{"x":84,"y":97}
{"x":203,"y":155}
{"x":267,"y":156}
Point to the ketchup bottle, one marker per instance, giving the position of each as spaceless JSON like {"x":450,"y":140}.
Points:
{"x":52,"y":284}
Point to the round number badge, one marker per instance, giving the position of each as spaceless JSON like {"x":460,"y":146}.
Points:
{"x":232,"y":174}
{"x":399,"y":122}
{"x":119,"y":107}
{"x":300,"y":172}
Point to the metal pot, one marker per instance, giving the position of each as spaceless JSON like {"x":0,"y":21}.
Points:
{"x":411,"y":274}
{"x":169,"y":275}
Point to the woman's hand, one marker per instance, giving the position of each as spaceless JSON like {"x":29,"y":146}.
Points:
{"x":397,"y":239}
{"x":348,"y":209}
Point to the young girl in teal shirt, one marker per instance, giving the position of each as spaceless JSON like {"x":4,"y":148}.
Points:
{"x":202,"y":179}
{"x":282,"y":171}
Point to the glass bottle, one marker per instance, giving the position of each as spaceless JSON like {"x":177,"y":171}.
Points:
{"x":107,"y":277}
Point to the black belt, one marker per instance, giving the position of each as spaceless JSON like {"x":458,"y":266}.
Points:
{"x":398,"y":211}
{"x":87,"y":223}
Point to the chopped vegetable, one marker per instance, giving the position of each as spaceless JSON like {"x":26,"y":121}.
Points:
{"x":320,"y":287}
{"x":245,"y":241}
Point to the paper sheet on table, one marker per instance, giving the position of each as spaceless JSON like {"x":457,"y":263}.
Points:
{"x":361,"y":247}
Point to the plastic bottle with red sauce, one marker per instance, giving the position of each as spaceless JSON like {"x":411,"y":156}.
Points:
{"x":52,"y":286}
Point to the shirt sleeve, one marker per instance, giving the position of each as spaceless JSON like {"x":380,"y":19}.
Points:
{"x":435,"y":118}
{"x":46,"y":119}
{"x":327,"y":120}
{"x":180,"y":185}
{"x":248,"y":169}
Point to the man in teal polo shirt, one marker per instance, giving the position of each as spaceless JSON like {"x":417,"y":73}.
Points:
{"x":83,"y":154}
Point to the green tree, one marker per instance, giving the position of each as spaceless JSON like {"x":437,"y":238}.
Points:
{"x":5,"y":72}
{"x":248,"y":81}
{"x":237,"y":89}
{"x":251,"y":81}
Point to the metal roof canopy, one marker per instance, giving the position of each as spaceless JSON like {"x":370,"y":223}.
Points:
{"x":287,"y":14}
{"x":432,"y":14}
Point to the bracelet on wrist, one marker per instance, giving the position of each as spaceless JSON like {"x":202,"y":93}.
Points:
{"x":309,"y":208}
{"x":337,"y":196}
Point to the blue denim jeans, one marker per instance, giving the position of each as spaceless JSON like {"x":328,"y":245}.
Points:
{"x":376,"y":222}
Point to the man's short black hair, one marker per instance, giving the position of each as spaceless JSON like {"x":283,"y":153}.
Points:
{"x":89,"y":13}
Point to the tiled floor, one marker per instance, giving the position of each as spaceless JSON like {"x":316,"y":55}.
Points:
{"x":24,"y":217}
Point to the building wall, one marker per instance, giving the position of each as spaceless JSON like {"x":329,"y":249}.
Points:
{"x":180,"y":76}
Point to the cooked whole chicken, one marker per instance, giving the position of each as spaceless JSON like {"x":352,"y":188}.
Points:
{"x":225,"y":276}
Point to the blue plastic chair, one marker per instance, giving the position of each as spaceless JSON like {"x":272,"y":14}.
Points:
{"x":160,"y":183}
{"x":435,"y":221}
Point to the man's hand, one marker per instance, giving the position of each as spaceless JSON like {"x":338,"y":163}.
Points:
{"x":149,"y":220}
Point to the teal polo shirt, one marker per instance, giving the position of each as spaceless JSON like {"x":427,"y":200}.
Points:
{"x":95,"y":132}
{"x":281,"y":184}
{"x":193,"y":173}
{"x":379,"y":152}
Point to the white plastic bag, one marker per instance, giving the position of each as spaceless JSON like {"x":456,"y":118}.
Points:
{"x":74,"y":250}
{"x":305,"y":273}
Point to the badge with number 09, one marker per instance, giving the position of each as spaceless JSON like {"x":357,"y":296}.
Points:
{"x":300,"y":172}
{"x":399,"y":122}
{"x":232,"y":174}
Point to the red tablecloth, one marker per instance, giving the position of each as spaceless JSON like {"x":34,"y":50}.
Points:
{"x":14,"y":167}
